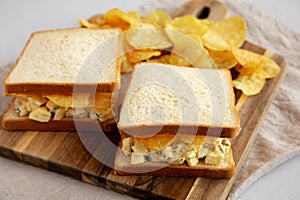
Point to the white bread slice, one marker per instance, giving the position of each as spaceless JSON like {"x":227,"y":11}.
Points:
{"x":12,"y":122}
{"x":169,"y":99}
{"x":54,"y":61}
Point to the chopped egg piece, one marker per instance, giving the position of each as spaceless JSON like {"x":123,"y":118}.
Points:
{"x":156,"y":157}
{"x":93,"y":115}
{"x":37,"y":100}
{"x":179,"y":161}
{"x":192,"y":161}
{"x":216,"y":156}
{"x":79,"y":113}
{"x":51,"y":106}
{"x":138,"y":147}
{"x":60,"y":113}
{"x":40,"y":114}
{"x":137,"y":158}
{"x":204,"y":150}
{"x":168,"y":152}
{"x":126,"y":146}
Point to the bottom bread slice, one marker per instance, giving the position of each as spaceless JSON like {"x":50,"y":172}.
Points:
{"x":12,"y":122}
{"x":123,"y":166}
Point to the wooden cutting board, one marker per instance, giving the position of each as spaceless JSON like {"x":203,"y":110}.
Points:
{"x":64,"y":153}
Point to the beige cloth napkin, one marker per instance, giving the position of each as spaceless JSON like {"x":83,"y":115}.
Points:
{"x":279,"y":137}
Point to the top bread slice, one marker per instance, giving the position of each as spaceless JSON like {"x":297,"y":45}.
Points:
{"x":168,"y":99}
{"x":53,"y":62}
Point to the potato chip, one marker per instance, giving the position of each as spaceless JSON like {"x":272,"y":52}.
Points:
{"x":107,"y":26}
{"x":232,"y":31}
{"x":270,"y":67}
{"x":250,"y":84}
{"x":158,"y":17}
{"x":96,"y":19}
{"x":87,"y":24}
{"x":147,"y":36}
{"x":76,"y":100}
{"x":119,"y":19}
{"x":126,"y":65}
{"x":136,"y":56}
{"x":247,"y":58}
{"x":164,"y":59}
{"x":255,"y":70}
{"x":177,"y":60}
{"x":188,"y":24}
{"x":134,"y":16}
{"x":212,"y":40}
{"x":189,"y":47}
{"x":101,"y":100}
{"x":250,"y":60}
{"x":223,"y":59}
{"x":171,"y":59}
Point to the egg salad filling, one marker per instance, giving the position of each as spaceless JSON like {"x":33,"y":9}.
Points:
{"x":161,"y":149}
{"x":56,"y":107}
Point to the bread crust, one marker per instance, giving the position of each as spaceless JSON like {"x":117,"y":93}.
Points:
{"x":61,"y":88}
{"x":12,"y":122}
{"x":147,"y":131}
{"x":65,"y":89}
{"x":156,"y":169}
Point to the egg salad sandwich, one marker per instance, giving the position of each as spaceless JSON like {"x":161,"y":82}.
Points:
{"x":177,"y":121}
{"x":62,"y":76}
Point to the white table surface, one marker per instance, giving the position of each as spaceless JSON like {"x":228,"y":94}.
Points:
{"x":18,"y":19}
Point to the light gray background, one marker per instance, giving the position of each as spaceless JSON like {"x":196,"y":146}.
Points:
{"x":18,"y":19}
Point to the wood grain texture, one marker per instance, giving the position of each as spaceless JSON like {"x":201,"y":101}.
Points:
{"x":64,"y":153}
{"x":203,"y":9}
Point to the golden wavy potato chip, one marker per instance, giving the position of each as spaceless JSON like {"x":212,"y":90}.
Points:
{"x":249,"y":60}
{"x":189,"y":47}
{"x":223,"y":59}
{"x":212,"y":40}
{"x":158,"y":17}
{"x":136,"y":56}
{"x":270,"y":67}
{"x":254,"y":69}
{"x":147,"y":36}
{"x":233,"y":30}
{"x":225,"y":34}
{"x":250,"y":84}
{"x":87,"y":24}
{"x":117,"y":18}
{"x":96,"y":19}
{"x":177,"y":60}
{"x":126,"y":65}
{"x":134,"y":16}
{"x":76,"y":100}
{"x":164,"y":59}
{"x":171,"y":59}
{"x":189,"y":24}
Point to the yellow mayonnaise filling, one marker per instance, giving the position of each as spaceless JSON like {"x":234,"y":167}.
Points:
{"x":56,"y":107}
{"x":163,"y":148}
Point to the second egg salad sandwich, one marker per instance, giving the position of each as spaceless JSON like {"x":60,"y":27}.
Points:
{"x":177,"y":121}
{"x":63,"y":75}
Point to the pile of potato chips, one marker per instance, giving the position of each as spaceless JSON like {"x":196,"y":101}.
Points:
{"x":188,"y":41}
